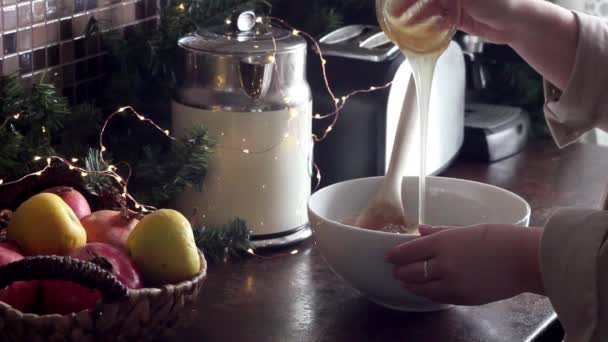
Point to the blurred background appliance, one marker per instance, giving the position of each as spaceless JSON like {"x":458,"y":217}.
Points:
{"x":361,"y":56}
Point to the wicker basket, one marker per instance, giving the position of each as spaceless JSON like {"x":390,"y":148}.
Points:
{"x":123,"y":315}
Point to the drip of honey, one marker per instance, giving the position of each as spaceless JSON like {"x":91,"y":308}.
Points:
{"x":423,"y":31}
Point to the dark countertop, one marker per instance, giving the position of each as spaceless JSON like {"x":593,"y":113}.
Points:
{"x":285,"y":297}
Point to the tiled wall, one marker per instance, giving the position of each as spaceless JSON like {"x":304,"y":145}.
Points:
{"x":45,"y":38}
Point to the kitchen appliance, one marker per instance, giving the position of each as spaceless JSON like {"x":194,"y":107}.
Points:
{"x":494,"y":132}
{"x":360,"y":144}
{"x":246,"y":82}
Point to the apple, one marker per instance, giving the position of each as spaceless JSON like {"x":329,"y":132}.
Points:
{"x":64,"y":297}
{"x":21,"y":295}
{"x":73,"y":198}
{"x":108,"y":226}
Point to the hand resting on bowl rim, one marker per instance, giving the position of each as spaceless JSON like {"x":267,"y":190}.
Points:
{"x":472,"y":265}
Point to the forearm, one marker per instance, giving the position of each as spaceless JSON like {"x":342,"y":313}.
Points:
{"x":546,"y":36}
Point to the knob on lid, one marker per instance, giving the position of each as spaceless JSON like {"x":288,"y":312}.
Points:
{"x":242,"y":34}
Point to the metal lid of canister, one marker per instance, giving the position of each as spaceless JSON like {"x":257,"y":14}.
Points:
{"x":242,"y":34}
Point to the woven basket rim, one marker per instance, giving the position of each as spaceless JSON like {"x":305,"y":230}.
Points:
{"x":154,"y":291}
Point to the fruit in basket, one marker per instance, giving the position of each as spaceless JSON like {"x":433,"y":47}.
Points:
{"x":63,"y":297}
{"x":45,"y":224}
{"x":162,"y":245}
{"x":108,"y":226}
{"x":72,"y":198}
{"x":21,"y":295}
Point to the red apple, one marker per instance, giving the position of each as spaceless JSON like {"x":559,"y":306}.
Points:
{"x":64,"y":297}
{"x":108,"y":226}
{"x":21,"y":295}
{"x":73,"y":198}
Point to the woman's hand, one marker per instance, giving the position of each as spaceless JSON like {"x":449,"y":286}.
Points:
{"x":542,"y":33}
{"x":494,"y":21}
{"x":471,"y":265}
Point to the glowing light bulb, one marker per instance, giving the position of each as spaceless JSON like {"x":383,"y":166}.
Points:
{"x":1,"y":181}
{"x":103,"y":148}
{"x":167,"y":132}
{"x":16,"y":116}
{"x":137,"y":206}
{"x":317,"y":116}
{"x":39,"y":173}
{"x":294,"y":252}
{"x":43,"y":129}
{"x":84,"y":174}
{"x":48,"y":161}
{"x":271,"y":59}
{"x":329,"y":129}
{"x":37,"y":158}
{"x":141,"y":117}
{"x":323,"y":61}
{"x":372,"y":88}
{"x":246,"y":151}
{"x":295,"y":32}
{"x":122,"y":109}
{"x":228,"y":21}
{"x":250,"y":251}
{"x":182,"y":7}
{"x":74,"y":160}
{"x":286,"y":135}
{"x":259,"y":20}
{"x":71,"y":167}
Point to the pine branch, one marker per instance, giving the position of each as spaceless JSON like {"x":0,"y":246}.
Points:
{"x":162,"y":173}
{"x":81,"y":130}
{"x":95,"y":182}
{"x":12,"y":96}
{"x":220,"y":244}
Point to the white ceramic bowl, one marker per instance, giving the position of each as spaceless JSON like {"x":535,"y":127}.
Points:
{"x":357,"y":255}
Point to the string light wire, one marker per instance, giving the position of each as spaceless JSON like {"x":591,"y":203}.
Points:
{"x":111,"y":170}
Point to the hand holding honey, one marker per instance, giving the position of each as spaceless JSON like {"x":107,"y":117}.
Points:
{"x":419,"y":26}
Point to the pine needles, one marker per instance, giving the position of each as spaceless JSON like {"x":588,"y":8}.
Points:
{"x":221,"y":244}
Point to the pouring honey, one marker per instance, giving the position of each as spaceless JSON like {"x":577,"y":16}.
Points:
{"x":422,"y":29}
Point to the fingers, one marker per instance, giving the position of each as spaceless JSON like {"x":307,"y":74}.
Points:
{"x":416,"y":250}
{"x":416,"y":273}
{"x":409,"y":252}
{"x":429,"y":230}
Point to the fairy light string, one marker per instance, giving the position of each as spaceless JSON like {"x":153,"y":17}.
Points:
{"x":112,"y":170}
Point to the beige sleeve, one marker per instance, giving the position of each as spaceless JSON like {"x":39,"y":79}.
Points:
{"x":574,"y":267}
{"x":583,"y":105}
